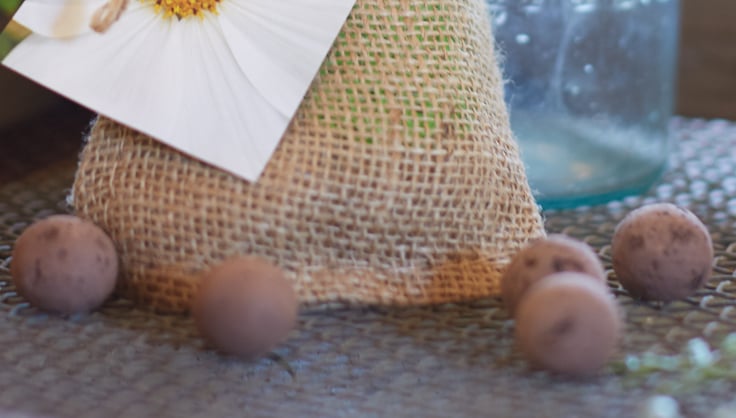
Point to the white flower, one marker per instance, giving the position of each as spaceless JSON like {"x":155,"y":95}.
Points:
{"x":221,"y":86}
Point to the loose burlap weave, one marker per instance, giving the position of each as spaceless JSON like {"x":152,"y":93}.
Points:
{"x":397,"y":182}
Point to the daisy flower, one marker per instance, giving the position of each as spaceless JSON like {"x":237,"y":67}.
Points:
{"x":216,"y":79}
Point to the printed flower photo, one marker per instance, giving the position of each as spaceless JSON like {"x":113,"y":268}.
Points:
{"x":15,"y":33}
{"x":217,"y":79}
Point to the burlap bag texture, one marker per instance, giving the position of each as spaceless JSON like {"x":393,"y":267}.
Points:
{"x":398,"y":181}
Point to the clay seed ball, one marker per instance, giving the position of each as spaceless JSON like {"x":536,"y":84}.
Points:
{"x":661,"y":252}
{"x":64,"y":264}
{"x":245,"y":307}
{"x":542,"y":257}
{"x":569,"y":324}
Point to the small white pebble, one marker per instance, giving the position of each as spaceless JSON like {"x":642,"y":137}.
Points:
{"x":660,"y":406}
{"x":699,"y":353}
{"x":633,"y":363}
{"x":729,"y":345}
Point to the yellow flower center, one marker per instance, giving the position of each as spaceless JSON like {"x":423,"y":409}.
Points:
{"x":184,"y":8}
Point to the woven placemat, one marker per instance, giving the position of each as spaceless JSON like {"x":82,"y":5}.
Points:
{"x":445,"y":361}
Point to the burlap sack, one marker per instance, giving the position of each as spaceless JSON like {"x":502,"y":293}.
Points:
{"x":398,"y":181}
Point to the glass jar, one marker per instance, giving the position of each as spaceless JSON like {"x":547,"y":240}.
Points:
{"x":590,"y":89}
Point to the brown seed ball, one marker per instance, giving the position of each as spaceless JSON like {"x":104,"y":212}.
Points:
{"x":568,"y":323}
{"x":554,"y":254}
{"x":662,"y":252}
{"x":64,"y":264}
{"x":245,"y":307}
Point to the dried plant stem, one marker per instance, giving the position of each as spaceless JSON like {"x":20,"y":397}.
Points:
{"x":107,"y":15}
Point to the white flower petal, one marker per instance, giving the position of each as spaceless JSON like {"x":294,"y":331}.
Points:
{"x":91,"y":67}
{"x":174,"y":80}
{"x":280,"y":44}
{"x":223,"y":119}
{"x":57,"y":18}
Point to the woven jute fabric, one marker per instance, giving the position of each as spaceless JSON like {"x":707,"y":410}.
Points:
{"x":397,"y":182}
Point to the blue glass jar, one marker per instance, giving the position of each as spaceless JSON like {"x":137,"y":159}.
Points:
{"x":590,"y":89}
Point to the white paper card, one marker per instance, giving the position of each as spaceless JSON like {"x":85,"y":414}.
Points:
{"x":221,"y":88}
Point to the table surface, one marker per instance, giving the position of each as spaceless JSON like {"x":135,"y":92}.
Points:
{"x":455,"y":360}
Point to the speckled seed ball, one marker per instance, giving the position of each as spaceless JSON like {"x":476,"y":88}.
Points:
{"x":245,"y":307}
{"x":568,"y":323}
{"x":545,"y":256}
{"x":64,"y":264}
{"x":661,"y":252}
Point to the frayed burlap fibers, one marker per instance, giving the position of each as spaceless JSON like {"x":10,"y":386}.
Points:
{"x":397,"y":182}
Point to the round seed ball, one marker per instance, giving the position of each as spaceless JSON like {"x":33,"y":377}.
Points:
{"x":64,"y":264}
{"x":245,"y":307}
{"x":568,"y":323}
{"x":661,"y":252}
{"x":554,"y":254}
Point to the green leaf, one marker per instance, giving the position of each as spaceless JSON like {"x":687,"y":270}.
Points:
{"x":9,"y":6}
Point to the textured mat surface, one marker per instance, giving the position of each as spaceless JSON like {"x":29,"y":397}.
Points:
{"x":450,"y":360}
